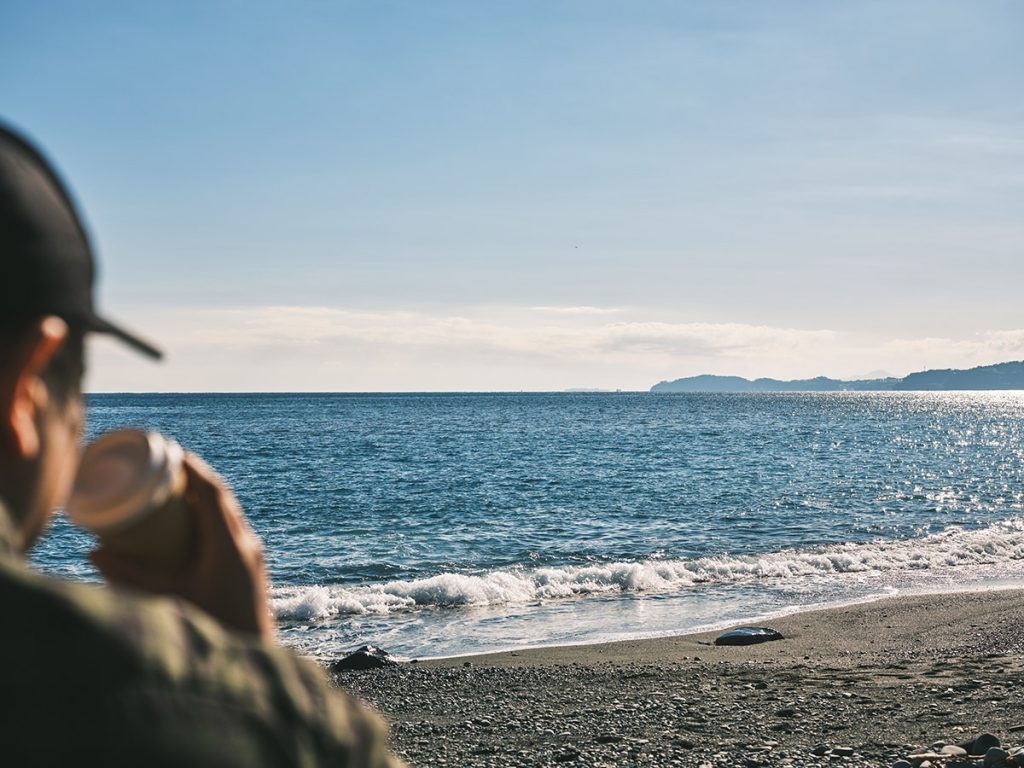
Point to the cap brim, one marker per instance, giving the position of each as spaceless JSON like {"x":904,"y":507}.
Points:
{"x":100,"y":325}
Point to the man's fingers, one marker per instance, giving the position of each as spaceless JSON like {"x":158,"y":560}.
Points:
{"x":225,"y":576}
{"x":217,"y":515}
{"x":217,"y":512}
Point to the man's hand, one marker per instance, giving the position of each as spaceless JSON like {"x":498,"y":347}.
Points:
{"x":225,"y":576}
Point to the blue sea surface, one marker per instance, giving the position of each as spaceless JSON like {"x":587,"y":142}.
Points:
{"x":439,"y":524}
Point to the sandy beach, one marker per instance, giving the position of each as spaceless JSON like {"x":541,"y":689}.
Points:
{"x":863,"y":685}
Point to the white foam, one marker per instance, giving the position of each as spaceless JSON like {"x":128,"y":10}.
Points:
{"x":1000,"y":542}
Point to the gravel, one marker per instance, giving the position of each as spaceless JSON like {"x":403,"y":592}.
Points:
{"x":824,"y":696}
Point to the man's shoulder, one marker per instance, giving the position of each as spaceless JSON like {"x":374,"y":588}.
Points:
{"x":140,"y":654}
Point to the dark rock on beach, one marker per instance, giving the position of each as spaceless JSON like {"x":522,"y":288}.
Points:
{"x":367,"y":657}
{"x":748,"y":636}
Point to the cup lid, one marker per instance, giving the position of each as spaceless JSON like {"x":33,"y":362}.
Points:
{"x":121,"y":477}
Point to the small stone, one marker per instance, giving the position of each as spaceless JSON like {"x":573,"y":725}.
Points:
{"x":843,"y":751}
{"x":982,"y":744}
{"x":902,"y":764}
{"x":367,"y":657}
{"x":467,"y":663}
{"x":786,"y":712}
{"x":819,"y":750}
{"x":954,"y":750}
{"x":747,"y":636}
{"x":995,"y":756}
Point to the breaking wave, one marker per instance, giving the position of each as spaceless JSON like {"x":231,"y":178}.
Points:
{"x":1000,"y":542}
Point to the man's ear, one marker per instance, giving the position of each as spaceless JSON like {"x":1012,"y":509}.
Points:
{"x":25,"y":396}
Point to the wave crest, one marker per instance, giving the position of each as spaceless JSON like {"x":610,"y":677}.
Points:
{"x":1000,"y":542}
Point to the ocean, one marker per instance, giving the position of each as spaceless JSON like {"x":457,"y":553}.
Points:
{"x":445,"y":524}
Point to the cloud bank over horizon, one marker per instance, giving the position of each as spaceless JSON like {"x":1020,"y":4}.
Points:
{"x":286,"y":348}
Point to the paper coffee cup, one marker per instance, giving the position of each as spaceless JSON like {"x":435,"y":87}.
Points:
{"x":130,"y":492}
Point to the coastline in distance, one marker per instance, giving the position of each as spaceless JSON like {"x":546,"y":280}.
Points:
{"x":986,"y":377}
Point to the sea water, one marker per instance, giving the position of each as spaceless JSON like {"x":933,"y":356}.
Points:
{"x":442,"y":524}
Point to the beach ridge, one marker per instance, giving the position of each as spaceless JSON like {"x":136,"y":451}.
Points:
{"x":863,"y":684}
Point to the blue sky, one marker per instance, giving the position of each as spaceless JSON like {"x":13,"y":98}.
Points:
{"x":536,"y":195}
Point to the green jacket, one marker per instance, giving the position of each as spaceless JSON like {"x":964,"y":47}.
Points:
{"x":91,"y":675}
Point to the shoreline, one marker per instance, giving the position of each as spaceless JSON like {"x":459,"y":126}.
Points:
{"x":716,"y":628}
{"x":704,"y":629}
{"x":875,"y":680}
{"x":803,"y":630}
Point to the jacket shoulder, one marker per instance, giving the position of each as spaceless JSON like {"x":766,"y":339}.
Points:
{"x":173,"y":671}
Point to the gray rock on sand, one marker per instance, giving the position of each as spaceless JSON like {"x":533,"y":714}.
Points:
{"x":995,"y":756}
{"x":367,"y":657}
{"x":748,"y":636}
{"x":953,"y":750}
{"x":982,"y":744}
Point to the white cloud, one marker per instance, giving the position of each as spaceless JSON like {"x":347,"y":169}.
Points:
{"x":887,"y":192}
{"x":584,"y":310}
{"x":296,"y":348}
{"x":992,"y":143}
{"x":519,"y":334}
{"x":983,"y":348}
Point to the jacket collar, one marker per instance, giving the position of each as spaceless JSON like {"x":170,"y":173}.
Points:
{"x":8,"y":534}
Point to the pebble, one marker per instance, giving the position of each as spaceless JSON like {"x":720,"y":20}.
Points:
{"x":995,"y":756}
{"x":983,"y":744}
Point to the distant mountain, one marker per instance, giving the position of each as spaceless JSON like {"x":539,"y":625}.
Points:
{"x":1000,"y":376}
{"x":986,"y":377}
{"x":708,"y":383}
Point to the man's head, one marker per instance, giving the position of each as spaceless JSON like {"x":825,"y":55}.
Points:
{"x":41,"y":414}
{"x":46,"y":309}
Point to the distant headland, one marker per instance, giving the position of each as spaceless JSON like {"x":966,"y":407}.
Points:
{"x":985,"y":377}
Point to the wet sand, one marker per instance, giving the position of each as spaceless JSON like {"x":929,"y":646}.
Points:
{"x":860,"y":685}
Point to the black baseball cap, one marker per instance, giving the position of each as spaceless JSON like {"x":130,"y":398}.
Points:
{"x":46,"y":261}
